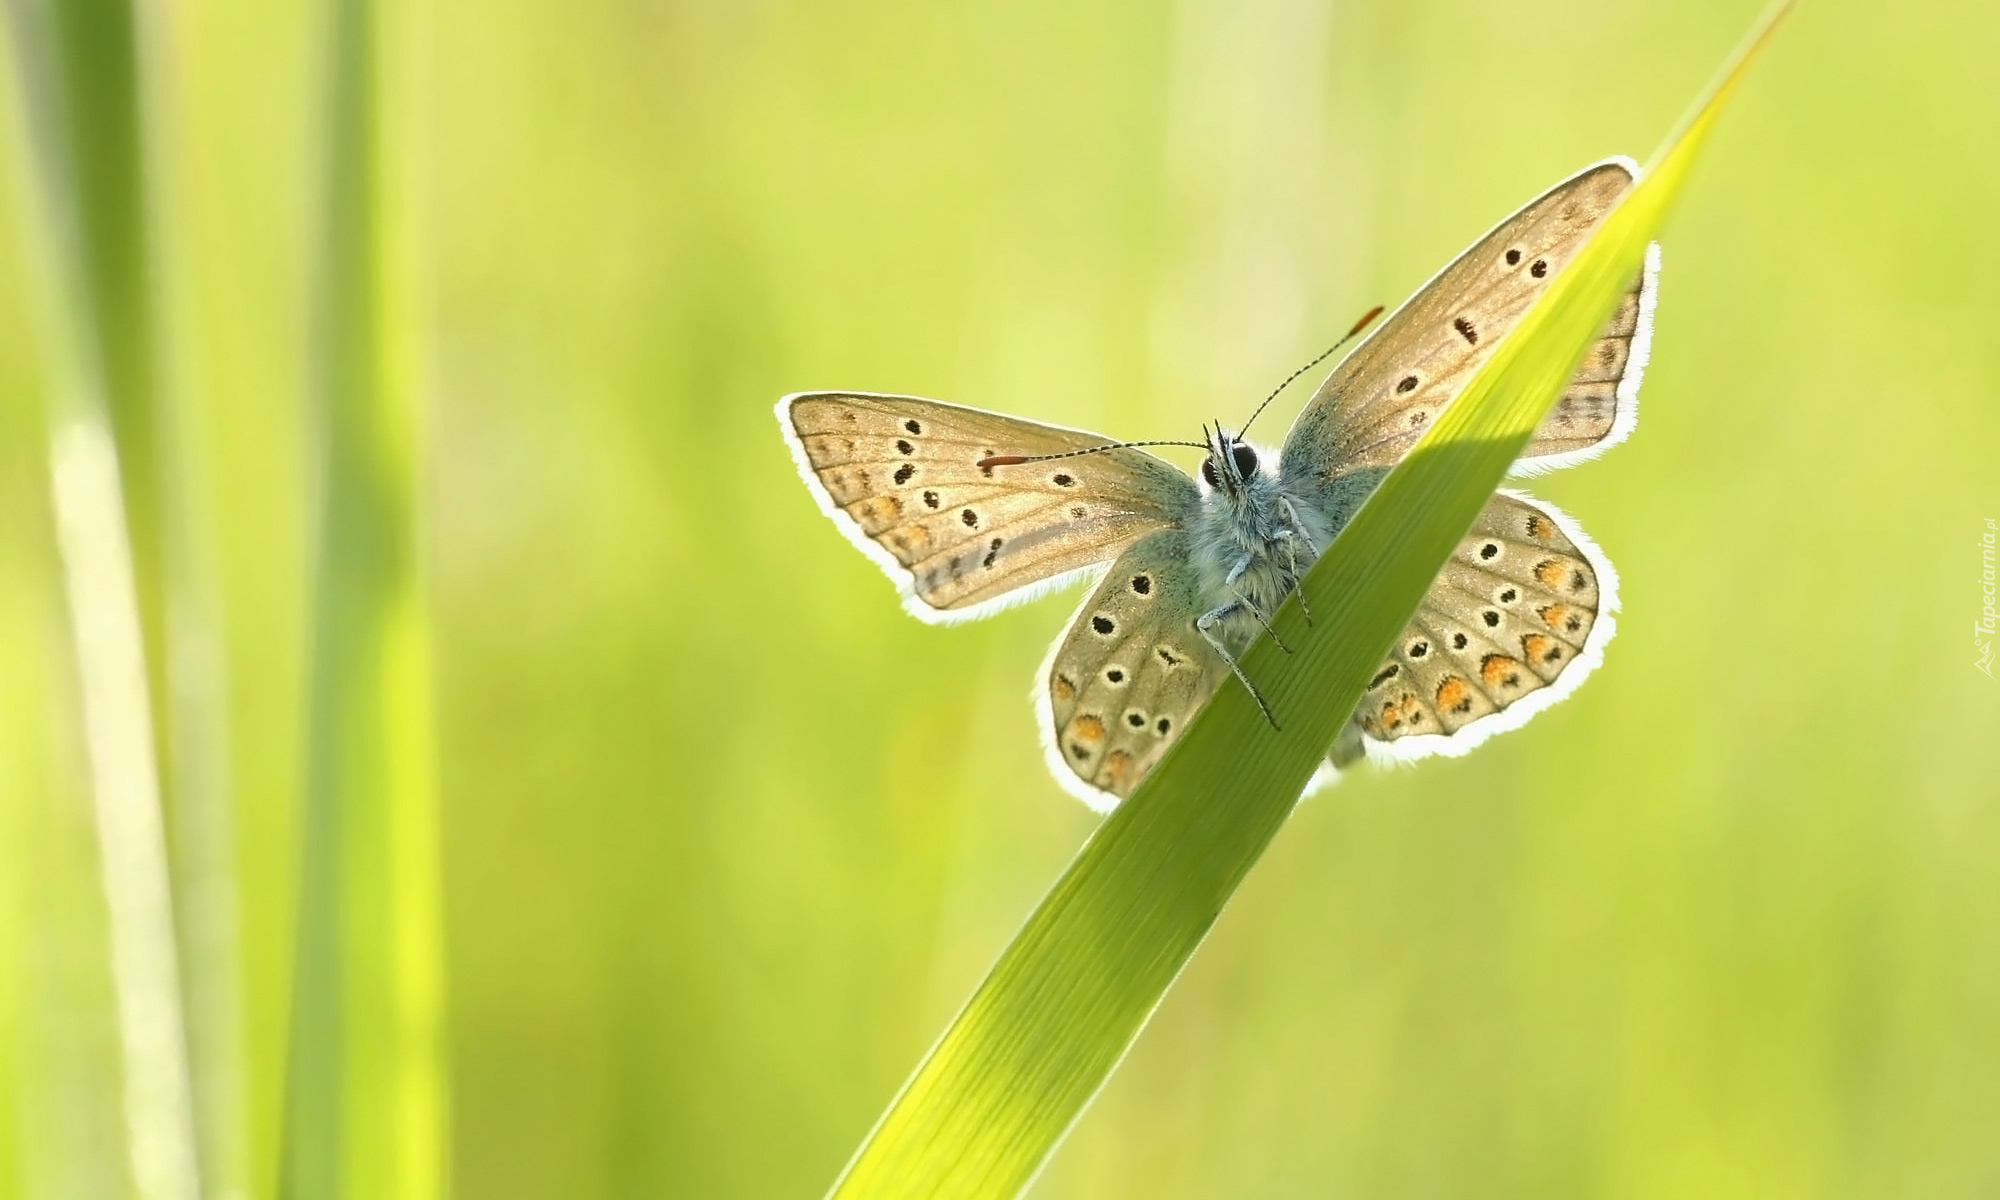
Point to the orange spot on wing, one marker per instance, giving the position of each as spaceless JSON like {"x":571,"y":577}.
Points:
{"x":878,"y":511}
{"x":1550,"y":571}
{"x":1454,"y":696}
{"x":1062,"y":689}
{"x":1499,"y":671}
{"x":1540,"y":648}
{"x":1392,"y":717}
{"x":1087,"y":729}
{"x":1540,"y":527}
{"x":909,"y":542}
{"x":1118,"y":765}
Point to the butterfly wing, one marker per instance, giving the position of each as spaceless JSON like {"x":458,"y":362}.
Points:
{"x":900,"y":476}
{"x":1516,"y":620}
{"x":1128,"y":674}
{"x":1380,"y":399}
{"x":1600,"y":406}
{"x":1520,"y":614}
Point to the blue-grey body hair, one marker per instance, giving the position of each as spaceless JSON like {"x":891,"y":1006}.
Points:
{"x":1251,"y":540}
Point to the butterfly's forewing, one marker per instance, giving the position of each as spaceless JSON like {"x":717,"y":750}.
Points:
{"x":1128,"y":674}
{"x":1516,"y":620}
{"x":1601,"y":404}
{"x":1380,"y":399}
{"x":901,"y":477}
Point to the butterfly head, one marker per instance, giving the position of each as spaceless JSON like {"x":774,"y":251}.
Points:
{"x":1230,"y":465}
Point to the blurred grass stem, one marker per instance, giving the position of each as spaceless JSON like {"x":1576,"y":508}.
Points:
{"x":365,"y":1092}
{"x":90,"y":534}
{"x":120,"y":527}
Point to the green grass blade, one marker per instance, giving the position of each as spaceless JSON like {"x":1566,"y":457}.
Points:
{"x":1063,"y":1004}
{"x":110,"y":453}
{"x":365,"y":1093}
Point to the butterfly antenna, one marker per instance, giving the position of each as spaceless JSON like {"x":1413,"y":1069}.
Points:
{"x":1015,"y":460}
{"x":1367,"y":319}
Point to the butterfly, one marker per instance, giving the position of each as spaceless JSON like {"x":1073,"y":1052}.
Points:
{"x":972,"y":511}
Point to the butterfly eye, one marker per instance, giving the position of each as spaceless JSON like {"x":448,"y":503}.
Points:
{"x":1208,"y":471}
{"x":1246,"y":460}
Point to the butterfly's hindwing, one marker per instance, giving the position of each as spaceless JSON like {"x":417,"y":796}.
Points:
{"x":1517,"y":618}
{"x":1128,"y":674}
{"x":901,"y":476}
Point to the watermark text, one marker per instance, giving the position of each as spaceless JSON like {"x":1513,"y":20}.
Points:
{"x":1982,"y":629}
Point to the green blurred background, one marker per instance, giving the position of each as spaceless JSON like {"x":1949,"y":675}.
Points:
{"x":728,"y":837}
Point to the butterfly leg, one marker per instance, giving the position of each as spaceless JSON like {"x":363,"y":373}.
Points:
{"x":1293,"y":536}
{"x":1236,"y":573}
{"x":1292,"y":553}
{"x":1206,"y":624}
{"x":1253,"y":611}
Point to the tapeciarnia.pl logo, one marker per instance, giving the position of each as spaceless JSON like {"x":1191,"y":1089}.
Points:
{"x":1982,"y":629}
